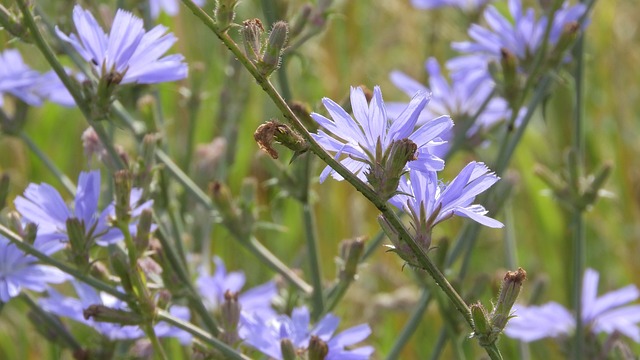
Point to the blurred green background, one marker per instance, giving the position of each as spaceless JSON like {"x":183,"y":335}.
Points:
{"x":363,"y":42}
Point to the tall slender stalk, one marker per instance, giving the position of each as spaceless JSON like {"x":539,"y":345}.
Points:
{"x":64,"y":179}
{"x":577,"y":222}
{"x":410,"y":327}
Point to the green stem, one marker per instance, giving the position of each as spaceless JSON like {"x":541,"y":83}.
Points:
{"x":158,"y":351}
{"x":15,"y":239}
{"x":410,"y":327}
{"x":274,"y":263}
{"x":423,"y":261}
{"x":437,"y":349}
{"x":314,"y":262}
{"x":75,"y":92}
{"x":226,"y":350}
{"x":577,"y":223}
{"x":194,"y":299}
{"x":64,"y":179}
{"x":184,"y":179}
{"x":52,"y":323}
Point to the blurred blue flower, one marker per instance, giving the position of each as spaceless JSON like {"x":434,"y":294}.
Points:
{"x":171,"y":7}
{"x":43,"y":205}
{"x":28,"y":85}
{"x":266,"y":334}
{"x":522,"y":37}
{"x":73,"y":308}
{"x":20,"y":271}
{"x":359,"y":138}
{"x":18,"y":79}
{"x":462,"y":99}
{"x":213,"y":287}
{"x":128,"y":54}
{"x":464,"y":5}
{"x":429,"y":201}
{"x":604,"y":314}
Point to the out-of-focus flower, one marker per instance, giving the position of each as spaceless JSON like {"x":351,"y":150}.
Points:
{"x":266,"y":335}
{"x":213,"y":287}
{"x":429,"y":202}
{"x":28,"y":85}
{"x":607,"y":313}
{"x":18,"y":79}
{"x":43,"y":205}
{"x":73,"y":308}
{"x":171,"y":7}
{"x":464,"y":5}
{"x":372,"y":133}
{"x":462,"y":99}
{"x":128,"y":54}
{"x":21,"y":271}
{"x":50,"y":87}
{"x":521,"y":37}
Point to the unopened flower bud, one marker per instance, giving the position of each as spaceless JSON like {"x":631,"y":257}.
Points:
{"x":481,"y":325}
{"x":288,"y":350}
{"x":591,"y":194}
{"x":120,"y":265}
{"x":318,"y":349}
{"x":298,"y":24}
{"x":224,"y":13}
{"x":144,"y":229}
{"x":509,"y":64}
{"x":569,"y":34}
{"x":106,"y":314}
{"x":277,"y":40}
{"x":230,"y":310}
{"x":29,"y":233}
{"x":252,"y":31}
{"x":509,"y":292}
{"x":79,"y":243}
{"x":398,"y":245}
{"x":303,"y":113}
{"x":350,"y":254}
{"x":122,"y":181}
{"x":4,"y":189}
{"x":386,"y":170}
{"x":13,"y":25}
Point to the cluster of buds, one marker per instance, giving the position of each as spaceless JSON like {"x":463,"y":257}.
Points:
{"x":265,"y":56}
{"x":571,"y":188}
{"x":487,"y":327}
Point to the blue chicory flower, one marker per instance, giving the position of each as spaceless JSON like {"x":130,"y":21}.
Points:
{"x":468,"y":6}
{"x":427,"y":198}
{"x":522,"y":37}
{"x":358,"y":139}
{"x":266,"y":334}
{"x":605,"y":314}
{"x":21,"y":271}
{"x":18,"y":79}
{"x":43,"y":205}
{"x":462,"y":99}
{"x":72,"y":308}
{"x":128,"y":51}
{"x":255,"y":300}
{"x":170,"y":7}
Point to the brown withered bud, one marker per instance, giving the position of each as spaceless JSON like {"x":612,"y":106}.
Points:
{"x":272,"y":131}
